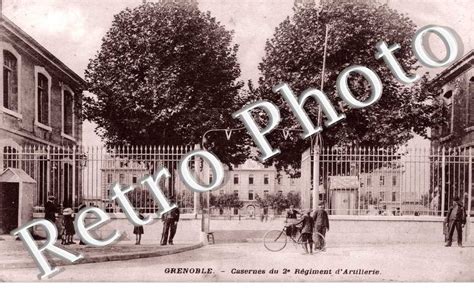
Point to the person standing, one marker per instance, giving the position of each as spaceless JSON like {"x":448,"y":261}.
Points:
{"x":455,"y":219}
{"x":174,"y":215}
{"x":321,"y":223}
{"x":138,"y":230}
{"x":68,"y":214}
{"x":169,"y":220}
{"x":50,"y":210}
{"x":307,"y":232}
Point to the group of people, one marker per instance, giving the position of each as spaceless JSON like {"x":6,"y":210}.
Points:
{"x":455,"y":221}
{"x":318,"y":222}
{"x":65,"y":223}
{"x":170,"y":225}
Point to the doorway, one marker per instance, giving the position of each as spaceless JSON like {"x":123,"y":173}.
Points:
{"x":9,"y":195}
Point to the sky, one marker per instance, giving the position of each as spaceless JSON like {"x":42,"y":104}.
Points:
{"x":72,"y":29}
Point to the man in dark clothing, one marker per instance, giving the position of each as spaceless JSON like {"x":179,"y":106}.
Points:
{"x":455,"y":219}
{"x":174,"y":224}
{"x":321,"y":223}
{"x":50,"y":210}
{"x":170,"y":224}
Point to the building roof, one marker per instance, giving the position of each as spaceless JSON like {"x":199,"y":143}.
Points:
{"x":453,"y":71}
{"x":15,"y":175}
{"x":18,"y":32}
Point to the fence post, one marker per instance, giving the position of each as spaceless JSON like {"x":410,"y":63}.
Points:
{"x":73,"y":176}
{"x":469,"y":198}
{"x":196,"y":194}
{"x":443,"y":180}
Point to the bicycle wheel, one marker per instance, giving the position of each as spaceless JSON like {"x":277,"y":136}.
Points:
{"x":275,"y":240}
{"x":319,"y":242}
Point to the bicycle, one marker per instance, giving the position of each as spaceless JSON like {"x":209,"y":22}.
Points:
{"x":276,"y":240}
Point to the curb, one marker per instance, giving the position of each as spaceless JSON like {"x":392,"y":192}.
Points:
{"x":107,"y":258}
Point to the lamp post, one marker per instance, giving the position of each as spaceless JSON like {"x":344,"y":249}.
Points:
{"x":207,"y":208}
{"x":318,"y":139}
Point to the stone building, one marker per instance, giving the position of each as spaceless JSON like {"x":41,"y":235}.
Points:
{"x":456,"y":96}
{"x":39,"y":101}
{"x":454,"y":87}
{"x":252,"y":179}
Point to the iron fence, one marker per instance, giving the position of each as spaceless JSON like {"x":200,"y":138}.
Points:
{"x":83,"y":176}
{"x":408,"y":181}
{"x":366,"y":181}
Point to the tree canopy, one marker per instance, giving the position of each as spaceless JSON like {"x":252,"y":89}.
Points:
{"x":164,"y":75}
{"x":294,"y":55}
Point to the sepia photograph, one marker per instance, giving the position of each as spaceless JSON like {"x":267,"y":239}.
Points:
{"x":236,"y":141}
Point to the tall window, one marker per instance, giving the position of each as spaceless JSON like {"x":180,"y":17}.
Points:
{"x":394,"y":180}
{"x":43,"y":99}
{"x":250,"y":195}
{"x":251,"y":179}
{"x":68,"y":106}
{"x":265,"y":194}
{"x":236,"y":193}
{"x":210,"y":178}
{"x":369,"y":181}
{"x":266,"y":179}
{"x":122,"y":179}
{"x":236,"y":179}
{"x":447,"y":125}
{"x":394,"y":196}
{"x":382,"y":180}
{"x":382,"y":196}
{"x":10,"y":157}
{"x":10,"y":81}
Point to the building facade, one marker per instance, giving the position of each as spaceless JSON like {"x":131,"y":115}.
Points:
{"x":252,"y":179}
{"x":40,"y":99}
{"x":455,"y":88}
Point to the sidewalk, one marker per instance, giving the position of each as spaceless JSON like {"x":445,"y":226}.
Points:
{"x":14,"y":255}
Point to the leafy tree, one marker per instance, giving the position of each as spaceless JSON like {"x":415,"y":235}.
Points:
{"x":295,"y":54}
{"x":165,"y":74}
{"x":293,"y":199}
{"x":226,"y":201}
{"x":279,"y":201}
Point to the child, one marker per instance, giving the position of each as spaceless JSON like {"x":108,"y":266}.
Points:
{"x":307,"y":232}
{"x":69,"y":225}
{"x":138,"y":231}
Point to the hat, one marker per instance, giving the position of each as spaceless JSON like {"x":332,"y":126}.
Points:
{"x":68,"y":211}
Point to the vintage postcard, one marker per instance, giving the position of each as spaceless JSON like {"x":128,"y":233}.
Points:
{"x":236,"y":141}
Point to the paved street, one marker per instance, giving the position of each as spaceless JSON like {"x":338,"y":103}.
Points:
{"x":222,"y":262}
